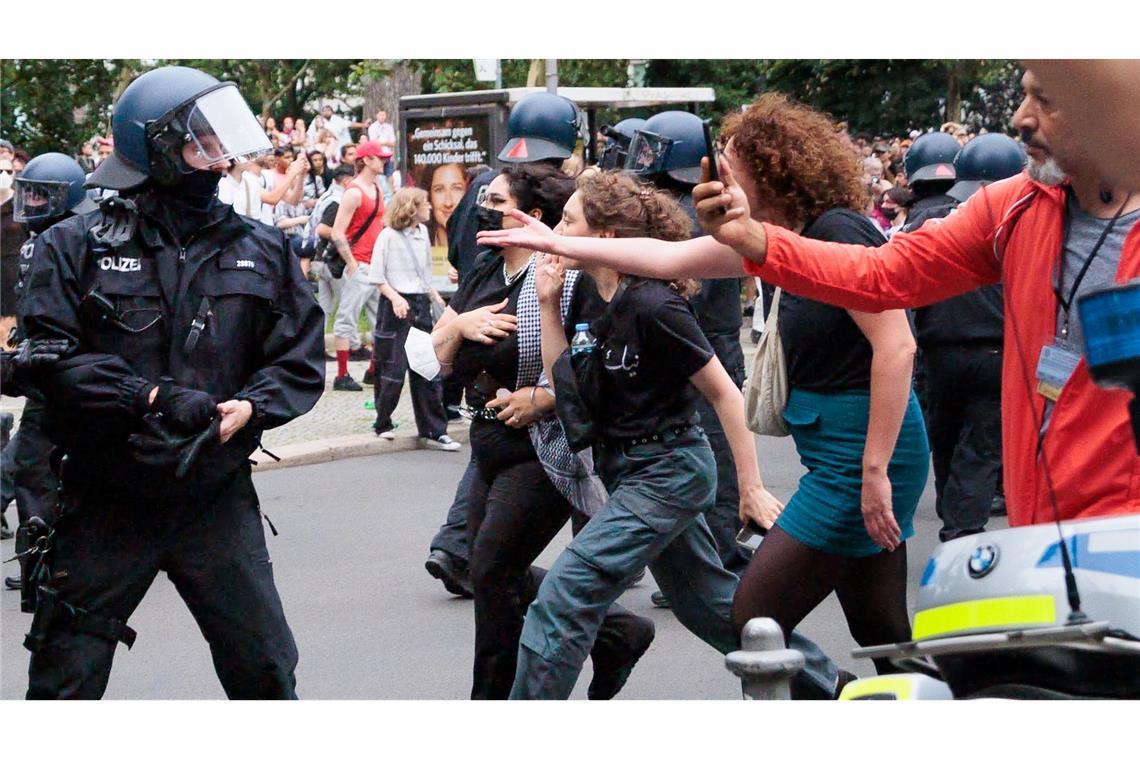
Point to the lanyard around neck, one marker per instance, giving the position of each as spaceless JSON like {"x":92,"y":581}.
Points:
{"x":1059,"y":271}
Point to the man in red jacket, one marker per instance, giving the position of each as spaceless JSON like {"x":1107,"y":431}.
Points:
{"x":1050,"y":235}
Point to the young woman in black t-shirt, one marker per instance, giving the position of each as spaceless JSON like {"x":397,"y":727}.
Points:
{"x":654,"y":459}
{"x":518,"y":510}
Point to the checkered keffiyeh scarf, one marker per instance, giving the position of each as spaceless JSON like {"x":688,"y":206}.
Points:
{"x":572,"y":474}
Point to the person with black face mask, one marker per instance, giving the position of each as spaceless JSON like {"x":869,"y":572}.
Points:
{"x":190,"y":331}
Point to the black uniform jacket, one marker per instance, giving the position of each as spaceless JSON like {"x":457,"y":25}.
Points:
{"x":975,"y":318}
{"x":260,"y":337}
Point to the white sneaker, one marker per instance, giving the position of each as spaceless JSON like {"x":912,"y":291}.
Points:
{"x":387,"y":435}
{"x":443,"y":443}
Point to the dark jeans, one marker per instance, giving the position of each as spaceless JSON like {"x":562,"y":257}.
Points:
{"x":724,"y":517}
{"x":108,"y":550}
{"x":963,"y":422}
{"x":392,"y":366}
{"x":654,"y":517}
{"x":36,"y":487}
{"x":452,"y":535}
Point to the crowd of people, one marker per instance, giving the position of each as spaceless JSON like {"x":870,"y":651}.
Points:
{"x":595,"y":341}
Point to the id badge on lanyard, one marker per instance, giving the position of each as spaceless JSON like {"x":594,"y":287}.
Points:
{"x":1057,"y":363}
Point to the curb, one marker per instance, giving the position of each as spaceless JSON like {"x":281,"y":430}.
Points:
{"x":344,"y":447}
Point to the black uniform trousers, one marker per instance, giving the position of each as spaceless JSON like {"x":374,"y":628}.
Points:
{"x":963,"y":422}
{"x":107,"y":552}
{"x":36,"y":487}
{"x":392,"y":367}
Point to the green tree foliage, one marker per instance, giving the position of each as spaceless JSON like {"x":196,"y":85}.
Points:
{"x":55,"y":105}
{"x":284,"y":87}
{"x":458,"y":74}
{"x":894,"y":96}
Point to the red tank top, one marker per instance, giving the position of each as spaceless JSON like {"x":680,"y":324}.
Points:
{"x":371,"y":198}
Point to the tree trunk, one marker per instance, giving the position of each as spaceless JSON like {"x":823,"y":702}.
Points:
{"x":953,"y":96}
{"x":536,"y":76}
{"x":403,"y":78}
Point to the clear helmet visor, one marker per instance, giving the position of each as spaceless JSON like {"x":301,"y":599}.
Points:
{"x":613,"y":156}
{"x":36,"y":200}
{"x":647,"y":153}
{"x":220,"y":127}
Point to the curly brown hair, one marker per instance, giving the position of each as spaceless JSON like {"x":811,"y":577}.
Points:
{"x":796,"y":157}
{"x":617,"y":202}
{"x":628,"y":208}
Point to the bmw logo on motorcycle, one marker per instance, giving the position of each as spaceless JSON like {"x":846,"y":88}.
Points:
{"x":982,"y":561}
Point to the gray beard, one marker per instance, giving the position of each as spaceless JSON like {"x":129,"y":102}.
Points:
{"x":1047,"y":172}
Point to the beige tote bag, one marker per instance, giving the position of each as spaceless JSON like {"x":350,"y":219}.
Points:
{"x":766,"y":390}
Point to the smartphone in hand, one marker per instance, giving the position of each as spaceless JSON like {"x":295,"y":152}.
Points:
{"x":710,"y":151}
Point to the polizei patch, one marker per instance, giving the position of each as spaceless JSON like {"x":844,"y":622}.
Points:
{"x":119,"y":264}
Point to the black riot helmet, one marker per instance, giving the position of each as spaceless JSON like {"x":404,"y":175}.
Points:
{"x":173,"y":115}
{"x":618,"y":138}
{"x":985,"y":159}
{"x":672,"y":143}
{"x":930,"y":158}
{"x":50,"y":188}
{"x":541,"y":126}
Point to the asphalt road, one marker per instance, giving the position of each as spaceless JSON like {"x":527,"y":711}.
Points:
{"x":369,"y":621}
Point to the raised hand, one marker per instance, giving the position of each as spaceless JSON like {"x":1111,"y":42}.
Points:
{"x":722,"y":207}
{"x":549,"y":278}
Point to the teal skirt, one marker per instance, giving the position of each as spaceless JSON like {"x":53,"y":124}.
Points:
{"x":830,"y":431}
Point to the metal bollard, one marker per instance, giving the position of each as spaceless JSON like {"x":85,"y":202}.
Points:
{"x":765,"y":666}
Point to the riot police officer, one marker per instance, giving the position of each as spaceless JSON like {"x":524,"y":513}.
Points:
{"x":49,"y":190}
{"x":929,"y":164}
{"x":961,"y":344}
{"x":667,"y":151}
{"x":193,"y":331}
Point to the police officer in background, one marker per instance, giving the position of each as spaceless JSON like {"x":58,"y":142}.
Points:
{"x":929,"y":164}
{"x":667,"y":151}
{"x":961,"y":343}
{"x":193,"y":331}
{"x":49,"y":190}
{"x":616,"y":147}
{"x":540,"y":128}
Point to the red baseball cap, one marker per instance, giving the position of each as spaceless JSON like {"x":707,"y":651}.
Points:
{"x":371,"y":148}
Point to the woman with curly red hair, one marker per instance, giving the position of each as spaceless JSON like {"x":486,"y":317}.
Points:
{"x":851,"y":411}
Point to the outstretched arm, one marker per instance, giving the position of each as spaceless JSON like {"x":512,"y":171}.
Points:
{"x":701,"y":258}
